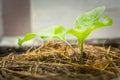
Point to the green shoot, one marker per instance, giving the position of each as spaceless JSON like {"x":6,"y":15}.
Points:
{"x":53,"y":32}
{"x":57,"y":32}
{"x":86,"y":23}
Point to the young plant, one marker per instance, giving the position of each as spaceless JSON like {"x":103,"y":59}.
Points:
{"x":86,"y":23}
{"x":57,"y":32}
{"x":52,"y":32}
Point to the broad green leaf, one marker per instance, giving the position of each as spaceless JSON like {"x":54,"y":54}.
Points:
{"x":87,"y":19}
{"x":82,"y":34}
{"x":27,"y":37}
{"x":88,"y":22}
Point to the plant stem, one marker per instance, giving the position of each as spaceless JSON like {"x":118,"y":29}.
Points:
{"x":80,"y":45}
{"x":67,"y":44}
{"x":70,"y":46}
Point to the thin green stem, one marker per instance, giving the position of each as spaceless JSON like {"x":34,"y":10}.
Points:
{"x":70,"y":46}
{"x":80,"y":45}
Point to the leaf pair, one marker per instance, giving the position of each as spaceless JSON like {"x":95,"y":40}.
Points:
{"x":53,"y":32}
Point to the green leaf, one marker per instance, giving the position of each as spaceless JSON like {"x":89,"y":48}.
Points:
{"x":27,"y":37}
{"x":53,"y":32}
{"x":46,"y":33}
{"x":88,"y":22}
{"x":59,"y":29}
{"x":59,"y":32}
{"x":87,"y":19}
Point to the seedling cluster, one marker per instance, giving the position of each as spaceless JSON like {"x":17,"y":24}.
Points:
{"x":84,"y":25}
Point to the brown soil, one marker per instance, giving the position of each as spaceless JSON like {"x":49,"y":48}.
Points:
{"x":56,"y":61}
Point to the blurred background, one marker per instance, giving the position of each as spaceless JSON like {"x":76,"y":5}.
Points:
{"x":18,"y":17}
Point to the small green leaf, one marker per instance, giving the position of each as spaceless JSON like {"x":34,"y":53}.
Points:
{"x":27,"y":37}
{"x":46,"y":33}
{"x":58,"y":30}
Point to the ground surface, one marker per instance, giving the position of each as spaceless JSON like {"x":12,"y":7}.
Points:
{"x":56,"y":61}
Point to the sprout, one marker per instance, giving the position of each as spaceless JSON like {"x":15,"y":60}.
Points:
{"x":86,"y":23}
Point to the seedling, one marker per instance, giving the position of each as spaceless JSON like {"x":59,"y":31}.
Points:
{"x":84,"y":25}
{"x":57,"y":32}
